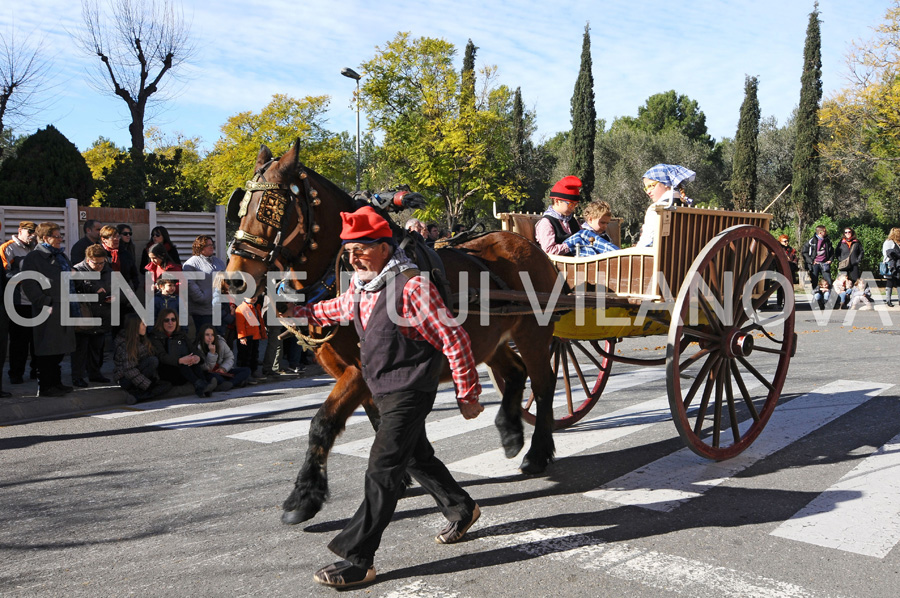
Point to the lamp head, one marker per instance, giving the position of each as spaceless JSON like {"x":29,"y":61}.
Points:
{"x":350,"y":73}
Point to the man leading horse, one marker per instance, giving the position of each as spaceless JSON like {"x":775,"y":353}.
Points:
{"x":404,"y":330}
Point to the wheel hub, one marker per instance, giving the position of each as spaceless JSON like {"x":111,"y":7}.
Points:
{"x":738,"y":344}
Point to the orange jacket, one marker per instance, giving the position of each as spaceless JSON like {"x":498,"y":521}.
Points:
{"x":248,"y":320}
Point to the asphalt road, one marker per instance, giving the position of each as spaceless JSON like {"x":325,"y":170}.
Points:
{"x":182,"y":497}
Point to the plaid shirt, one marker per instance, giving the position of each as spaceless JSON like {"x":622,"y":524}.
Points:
{"x":422,"y":307}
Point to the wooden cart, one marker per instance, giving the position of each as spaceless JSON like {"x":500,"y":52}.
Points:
{"x":706,"y":283}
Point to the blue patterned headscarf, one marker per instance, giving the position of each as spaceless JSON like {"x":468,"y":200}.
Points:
{"x":670,"y":175}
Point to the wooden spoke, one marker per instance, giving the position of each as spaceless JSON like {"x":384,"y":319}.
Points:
{"x":693,"y":359}
{"x":748,"y":400}
{"x":567,"y":360}
{"x":754,"y":371}
{"x":577,"y":369}
{"x":701,"y":377}
{"x":732,"y":411}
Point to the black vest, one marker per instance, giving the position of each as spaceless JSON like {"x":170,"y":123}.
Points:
{"x":559,"y":231}
{"x":390,"y":361}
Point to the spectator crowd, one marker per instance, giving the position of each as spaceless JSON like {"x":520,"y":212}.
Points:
{"x":185,"y":343}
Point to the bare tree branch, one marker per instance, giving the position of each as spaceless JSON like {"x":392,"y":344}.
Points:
{"x":138,"y":42}
{"x":23,"y":72}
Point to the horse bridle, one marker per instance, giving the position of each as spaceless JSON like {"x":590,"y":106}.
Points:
{"x":273,"y":210}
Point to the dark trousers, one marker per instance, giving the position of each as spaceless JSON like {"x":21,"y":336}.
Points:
{"x":88,"y":355}
{"x":49,"y":372}
{"x":147,"y":365}
{"x":239,"y":376}
{"x":180,"y":374}
{"x":248,"y":355}
{"x":22,"y":343}
{"x":4,"y":339}
{"x":817,"y":271}
{"x":400,"y":446}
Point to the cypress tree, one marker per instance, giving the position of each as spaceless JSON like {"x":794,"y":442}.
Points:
{"x":518,"y":115}
{"x":746,"y":149}
{"x":46,"y":170}
{"x":467,"y":85}
{"x":584,"y":120}
{"x":804,"y":194}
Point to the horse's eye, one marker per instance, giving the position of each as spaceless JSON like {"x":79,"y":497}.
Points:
{"x":295,"y":188}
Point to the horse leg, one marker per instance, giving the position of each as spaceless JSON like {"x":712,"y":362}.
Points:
{"x":508,"y":366}
{"x":535,"y":352}
{"x":311,"y":487}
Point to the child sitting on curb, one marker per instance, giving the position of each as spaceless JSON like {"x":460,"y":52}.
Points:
{"x":861,"y":295}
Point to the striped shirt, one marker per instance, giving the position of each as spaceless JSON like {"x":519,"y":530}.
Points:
{"x":425,"y":319}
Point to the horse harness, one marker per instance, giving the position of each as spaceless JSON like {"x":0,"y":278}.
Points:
{"x":273,"y":210}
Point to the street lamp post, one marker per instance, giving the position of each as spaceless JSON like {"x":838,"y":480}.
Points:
{"x":348,"y":72}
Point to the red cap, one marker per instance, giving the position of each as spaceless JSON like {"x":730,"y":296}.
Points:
{"x":568,"y":189}
{"x":364,"y":226}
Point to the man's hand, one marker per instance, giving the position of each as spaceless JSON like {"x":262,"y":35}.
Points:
{"x":470,"y":410}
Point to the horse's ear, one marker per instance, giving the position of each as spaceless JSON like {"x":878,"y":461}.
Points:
{"x":263,"y":157}
{"x":296,"y":149}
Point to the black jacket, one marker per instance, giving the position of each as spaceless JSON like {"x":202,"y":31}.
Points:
{"x":809,"y":251}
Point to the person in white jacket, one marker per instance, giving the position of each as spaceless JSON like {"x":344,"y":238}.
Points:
{"x":219,"y":360}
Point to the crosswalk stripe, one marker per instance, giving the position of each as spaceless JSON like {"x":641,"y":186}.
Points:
{"x":290,"y":430}
{"x":188,"y":401}
{"x":219,"y":416}
{"x":587,"y":433}
{"x":651,"y":568}
{"x":860,"y":513}
{"x":666,"y":483}
{"x":446,"y":428}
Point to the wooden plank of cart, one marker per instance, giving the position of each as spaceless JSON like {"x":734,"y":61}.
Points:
{"x":705,"y":283}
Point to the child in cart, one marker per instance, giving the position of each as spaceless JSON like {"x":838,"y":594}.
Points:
{"x":592,"y":238}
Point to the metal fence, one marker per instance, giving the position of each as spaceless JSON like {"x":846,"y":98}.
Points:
{"x":183,"y":227}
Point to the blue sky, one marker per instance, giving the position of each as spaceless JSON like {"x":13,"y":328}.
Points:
{"x":248,"y":51}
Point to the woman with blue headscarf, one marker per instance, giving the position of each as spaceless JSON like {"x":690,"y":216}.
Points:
{"x":664,"y":184}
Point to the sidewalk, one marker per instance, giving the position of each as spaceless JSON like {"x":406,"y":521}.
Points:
{"x":26,"y":406}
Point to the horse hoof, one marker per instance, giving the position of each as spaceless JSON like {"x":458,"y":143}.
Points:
{"x":529,"y":467}
{"x":511,"y":450}
{"x":294,"y":517}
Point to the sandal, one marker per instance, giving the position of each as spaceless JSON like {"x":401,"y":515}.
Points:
{"x":344,"y":574}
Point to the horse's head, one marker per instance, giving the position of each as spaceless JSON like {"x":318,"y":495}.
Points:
{"x":289,"y":222}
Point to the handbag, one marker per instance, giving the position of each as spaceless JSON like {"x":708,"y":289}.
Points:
{"x":884,"y":270}
{"x":844,"y":264}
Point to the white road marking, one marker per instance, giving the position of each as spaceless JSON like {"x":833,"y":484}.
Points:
{"x":860,"y":513}
{"x":219,"y":416}
{"x":188,"y":401}
{"x":419,"y":589}
{"x":664,"y":484}
{"x":438,"y":430}
{"x":650,"y":568}
{"x":587,"y":433}
{"x":290,"y":430}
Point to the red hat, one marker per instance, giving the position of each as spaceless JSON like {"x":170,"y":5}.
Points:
{"x":568,"y":189}
{"x":364,"y":226}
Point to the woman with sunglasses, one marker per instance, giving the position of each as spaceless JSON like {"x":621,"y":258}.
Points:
{"x":849,"y":254}
{"x":160,"y":234}
{"x":179,"y":363}
{"x":664,"y":185}
{"x":126,"y":240}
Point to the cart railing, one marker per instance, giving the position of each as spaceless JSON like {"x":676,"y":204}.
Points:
{"x":645,"y":273}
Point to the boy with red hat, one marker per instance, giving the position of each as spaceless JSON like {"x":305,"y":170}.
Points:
{"x":402,"y":351}
{"x":559,"y":221}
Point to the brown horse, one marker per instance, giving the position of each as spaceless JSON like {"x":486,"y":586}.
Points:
{"x":290,"y":220}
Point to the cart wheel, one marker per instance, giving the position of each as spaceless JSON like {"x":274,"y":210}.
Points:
{"x":731,"y":356}
{"x":585,"y":362}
